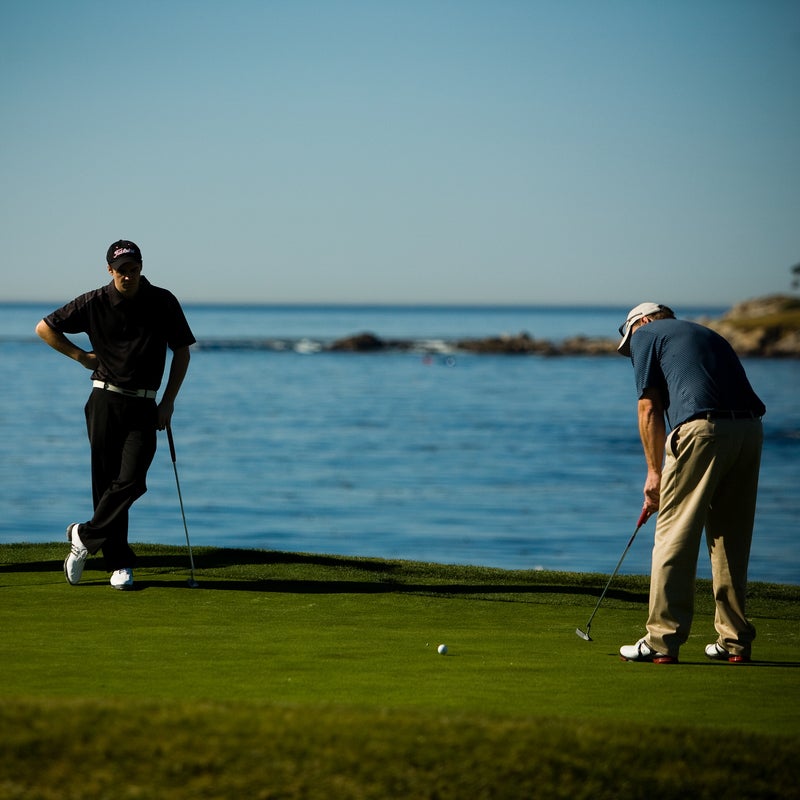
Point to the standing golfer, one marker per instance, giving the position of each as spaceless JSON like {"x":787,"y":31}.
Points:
{"x":704,"y":474}
{"x":130,"y":324}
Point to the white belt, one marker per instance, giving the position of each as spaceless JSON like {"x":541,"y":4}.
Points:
{"x":109,"y":387}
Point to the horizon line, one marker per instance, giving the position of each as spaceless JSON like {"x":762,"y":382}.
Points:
{"x":403,"y":304}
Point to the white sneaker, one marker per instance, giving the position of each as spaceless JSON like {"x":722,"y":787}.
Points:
{"x":73,"y":563}
{"x":717,"y":652}
{"x":641,"y":651}
{"x":122,"y":579}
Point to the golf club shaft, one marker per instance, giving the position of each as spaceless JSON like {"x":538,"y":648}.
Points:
{"x":641,"y":521}
{"x":180,"y":496}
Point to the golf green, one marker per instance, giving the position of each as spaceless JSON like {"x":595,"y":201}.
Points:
{"x":315,"y":642}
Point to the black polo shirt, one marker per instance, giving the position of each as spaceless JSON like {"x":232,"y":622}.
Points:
{"x":130,"y":336}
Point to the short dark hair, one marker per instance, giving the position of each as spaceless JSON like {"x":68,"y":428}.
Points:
{"x":665,"y":312}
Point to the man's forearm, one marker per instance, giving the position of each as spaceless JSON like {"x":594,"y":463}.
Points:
{"x":653,"y":433}
{"x":61,"y":344}
{"x":177,"y":372}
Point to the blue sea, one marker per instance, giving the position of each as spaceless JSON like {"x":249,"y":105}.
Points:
{"x":519,"y":462}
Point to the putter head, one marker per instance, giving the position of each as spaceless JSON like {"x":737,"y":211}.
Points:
{"x":192,"y":584}
{"x":579,"y":632}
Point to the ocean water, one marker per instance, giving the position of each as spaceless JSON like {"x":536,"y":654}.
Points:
{"x":514,"y":462}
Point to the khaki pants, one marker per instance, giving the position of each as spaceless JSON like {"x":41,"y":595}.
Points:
{"x":710,"y":481}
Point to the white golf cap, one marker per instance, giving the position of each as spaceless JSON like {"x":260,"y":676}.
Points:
{"x":634,"y":315}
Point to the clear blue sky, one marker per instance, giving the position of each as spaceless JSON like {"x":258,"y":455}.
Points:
{"x":514,"y":152}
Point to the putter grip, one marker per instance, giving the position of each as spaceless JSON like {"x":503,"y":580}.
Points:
{"x":642,"y":517}
{"x":171,"y":443}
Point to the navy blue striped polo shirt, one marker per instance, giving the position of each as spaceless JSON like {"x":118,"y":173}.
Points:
{"x":694,"y":369}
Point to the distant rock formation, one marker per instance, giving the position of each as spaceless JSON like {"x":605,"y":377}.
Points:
{"x":359,"y":343}
{"x":521,"y":344}
{"x":767,"y":327}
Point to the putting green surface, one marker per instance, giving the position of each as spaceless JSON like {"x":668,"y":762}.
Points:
{"x":327,"y":639}
{"x":284,"y":628}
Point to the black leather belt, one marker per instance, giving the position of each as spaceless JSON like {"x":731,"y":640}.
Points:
{"x":712,"y":415}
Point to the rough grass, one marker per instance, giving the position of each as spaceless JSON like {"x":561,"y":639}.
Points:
{"x":301,"y":676}
{"x":101,"y":749}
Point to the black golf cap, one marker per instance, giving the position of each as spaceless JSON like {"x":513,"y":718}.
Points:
{"x":122,"y":252}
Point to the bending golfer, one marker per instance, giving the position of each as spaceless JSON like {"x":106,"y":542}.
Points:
{"x":704,"y":474}
{"x":130,"y":324}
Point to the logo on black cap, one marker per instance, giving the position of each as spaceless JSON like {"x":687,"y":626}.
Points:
{"x":123,"y":251}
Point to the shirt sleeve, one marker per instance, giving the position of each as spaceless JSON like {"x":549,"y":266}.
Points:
{"x":647,"y":367}
{"x":70,"y":318}
{"x":179,"y":334}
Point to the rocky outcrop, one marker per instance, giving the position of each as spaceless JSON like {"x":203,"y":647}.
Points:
{"x":520,"y":344}
{"x":359,"y":343}
{"x":767,"y":327}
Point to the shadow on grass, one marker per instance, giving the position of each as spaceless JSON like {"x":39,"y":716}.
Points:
{"x":276,"y":585}
{"x":379,"y":576}
{"x":33,"y":566}
{"x":384,"y":577}
{"x":216,"y":558}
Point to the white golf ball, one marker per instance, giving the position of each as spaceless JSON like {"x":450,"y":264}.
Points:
{"x":442,"y":649}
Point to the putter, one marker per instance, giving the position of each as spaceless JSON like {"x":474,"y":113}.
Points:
{"x":641,"y":521}
{"x":192,"y":582}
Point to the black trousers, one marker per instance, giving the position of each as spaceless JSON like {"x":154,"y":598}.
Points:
{"x":122,"y":436}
